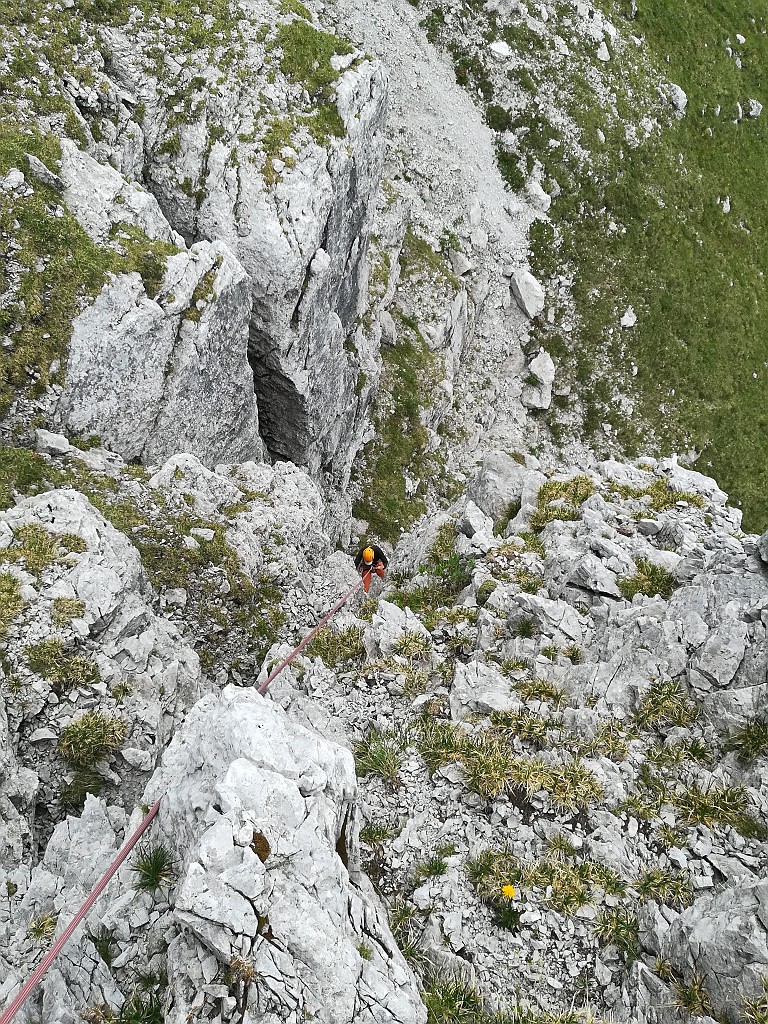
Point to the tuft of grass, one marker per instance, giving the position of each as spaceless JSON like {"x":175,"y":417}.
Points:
{"x":721,"y":806}
{"x":365,"y":951}
{"x":33,"y":545}
{"x":528,"y":581}
{"x":755,"y":1009}
{"x":89,"y":738}
{"x":376,"y":832}
{"x":693,"y":997}
{"x":523,"y":724}
{"x":43,"y":927}
{"x":451,"y":1002}
{"x":11,"y":603}
{"x":404,"y":923}
{"x":141,"y":1009}
{"x":540,"y":689}
{"x":484,"y":591}
{"x":525,"y":628}
{"x":665,"y":704}
{"x":83,"y":782}
{"x":609,"y":741}
{"x":560,"y":500}
{"x":153,"y":867}
{"x":379,"y":754}
{"x":649,"y":579}
{"x":413,"y":645}
{"x":24,"y":472}
{"x":338,"y":646}
{"x":669,"y":887}
{"x":65,"y":609}
{"x":49,"y":660}
{"x":618,"y":926}
{"x":433,"y":867}
{"x":440,"y":742}
{"x":661,"y":494}
{"x":751,"y":741}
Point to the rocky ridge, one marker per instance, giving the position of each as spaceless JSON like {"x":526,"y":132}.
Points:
{"x":554,"y":707}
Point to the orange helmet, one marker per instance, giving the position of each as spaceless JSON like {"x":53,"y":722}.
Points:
{"x":368,"y":555}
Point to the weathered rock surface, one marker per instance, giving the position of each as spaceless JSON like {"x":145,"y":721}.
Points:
{"x":300,"y":228}
{"x":156,"y":372}
{"x":260,"y":815}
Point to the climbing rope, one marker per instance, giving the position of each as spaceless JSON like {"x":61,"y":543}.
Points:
{"x":53,"y":952}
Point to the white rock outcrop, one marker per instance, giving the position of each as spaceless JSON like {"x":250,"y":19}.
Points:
{"x":528,"y":293}
{"x":270,"y":915}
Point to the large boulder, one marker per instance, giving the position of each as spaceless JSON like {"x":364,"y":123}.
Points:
{"x":723,"y":938}
{"x":271,"y":916}
{"x":498,"y":483}
{"x":157,"y":368}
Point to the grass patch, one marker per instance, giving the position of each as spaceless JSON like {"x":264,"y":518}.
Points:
{"x":650,"y":579}
{"x":669,"y":887}
{"x":398,"y":451}
{"x":306,"y":56}
{"x":692,"y":271}
{"x":665,"y":704}
{"x":618,"y":926}
{"x":560,"y":500}
{"x":64,"y":609}
{"x":491,"y":767}
{"x":49,"y":660}
{"x":87,"y":740}
{"x":566,"y":884}
{"x":24,"y":472}
{"x":11,"y":602}
{"x":719,"y":806}
{"x":693,"y":997}
{"x":451,"y":1002}
{"x":153,"y":867}
{"x":338,"y":646}
{"x":380,"y":754}
{"x":750,"y":741}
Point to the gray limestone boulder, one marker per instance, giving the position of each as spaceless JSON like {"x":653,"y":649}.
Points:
{"x":528,"y":293}
{"x":261,"y":813}
{"x":723,"y":938}
{"x":388,"y":626}
{"x":498,"y":483}
{"x":480,"y":689}
{"x":537,"y":393}
{"x":152,"y":376}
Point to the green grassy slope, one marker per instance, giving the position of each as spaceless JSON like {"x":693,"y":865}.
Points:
{"x":694,"y":274}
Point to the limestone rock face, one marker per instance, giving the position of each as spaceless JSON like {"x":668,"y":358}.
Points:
{"x":723,"y":938}
{"x":297,"y":216}
{"x":152,"y":376}
{"x":118,"y":641}
{"x":161,"y":369}
{"x":260,"y":816}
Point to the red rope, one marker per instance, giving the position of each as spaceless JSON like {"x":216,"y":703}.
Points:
{"x":51,"y":955}
{"x":276,"y":671}
{"x":54,"y":951}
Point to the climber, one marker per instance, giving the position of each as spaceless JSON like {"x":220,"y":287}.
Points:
{"x":370,"y":559}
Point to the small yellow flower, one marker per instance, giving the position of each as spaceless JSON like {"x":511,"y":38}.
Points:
{"x":508,"y":892}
